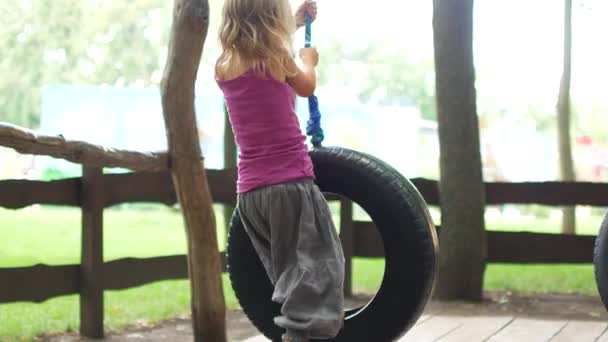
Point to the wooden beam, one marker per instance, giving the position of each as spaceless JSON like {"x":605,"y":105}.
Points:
{"x":27,"y":141}
{"x":548,"y":193}
{"x":130,"y":272}
{"x":223,"y":186}
{"x":544,"y":193}
{"x":536,"y":248}
{"x":368,"y":243}
{"x":15,"y":194}
{"x":188,"y":33}
{"x":347,"y":236}
{"x":91,"y":265}
{"x":429,"y":189}
{"x":503,"y":247}
{"x":38,"y":283}
{"x":42,"y":282}
{"x":156,"y":187}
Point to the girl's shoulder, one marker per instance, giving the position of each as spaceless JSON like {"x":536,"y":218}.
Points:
{"x":249,"y":74}
{"x":227,"y":72}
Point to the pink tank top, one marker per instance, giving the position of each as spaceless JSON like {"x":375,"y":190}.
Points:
{"x":272,"y":148}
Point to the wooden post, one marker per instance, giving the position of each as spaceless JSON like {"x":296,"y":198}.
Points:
{"x":564,"y":118}
{"x":91,"y":264}
{"x":347,"y":235}
{"x":230,"y":162}
{"x":188,"y":33}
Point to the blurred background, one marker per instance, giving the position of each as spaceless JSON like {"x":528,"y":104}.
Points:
{"x":90,"y":70}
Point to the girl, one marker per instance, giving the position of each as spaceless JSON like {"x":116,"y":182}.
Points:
{"x":283,"y":211}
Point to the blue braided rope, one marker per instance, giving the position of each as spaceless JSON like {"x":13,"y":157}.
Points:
{"x":308,"y":30}
{"x":313,"y":125}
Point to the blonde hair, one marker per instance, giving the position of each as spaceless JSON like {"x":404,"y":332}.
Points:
{"x":256,"y":34}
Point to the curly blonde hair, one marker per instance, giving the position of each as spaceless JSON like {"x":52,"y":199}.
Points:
{"x":256,"y":34}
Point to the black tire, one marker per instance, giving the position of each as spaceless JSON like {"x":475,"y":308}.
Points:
{"x":409,"y":238}
{"x":600,"y":261}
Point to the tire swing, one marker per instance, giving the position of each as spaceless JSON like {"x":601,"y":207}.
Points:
{"x":403,"y":222}
{"x":600,"y":261}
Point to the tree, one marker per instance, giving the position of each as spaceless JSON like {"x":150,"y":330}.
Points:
{"x":380,"y":73}
{"x":188,"y":33}
{"x":566,"y":164}
{"x":462,"y":236}
{"x":78,"y":42}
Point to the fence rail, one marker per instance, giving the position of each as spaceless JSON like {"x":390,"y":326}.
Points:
{"x":96,"y":191}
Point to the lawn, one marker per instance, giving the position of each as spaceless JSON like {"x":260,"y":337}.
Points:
{"x":51,"y":235}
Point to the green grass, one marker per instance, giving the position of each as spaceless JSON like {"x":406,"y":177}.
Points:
{"x":541,"y":278}
{"x":51,"y":235}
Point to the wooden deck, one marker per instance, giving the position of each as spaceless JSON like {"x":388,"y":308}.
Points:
{"x":444,"y":328}
{"x":501,"y":317}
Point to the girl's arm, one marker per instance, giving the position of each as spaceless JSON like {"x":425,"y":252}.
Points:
{"x":304,"y":80}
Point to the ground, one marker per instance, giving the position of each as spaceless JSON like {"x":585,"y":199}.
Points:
{"x":542,"y":306}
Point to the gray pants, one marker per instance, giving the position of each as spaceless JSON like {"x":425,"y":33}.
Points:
{"x":292,"y":231}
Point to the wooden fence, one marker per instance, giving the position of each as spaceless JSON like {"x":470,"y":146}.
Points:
{"x":96,"y":191}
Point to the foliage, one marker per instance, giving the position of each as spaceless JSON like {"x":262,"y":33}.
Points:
{"x":124,"y":43}
{"x":72,"y":41}
{"x":53,"y":173}
{"x":380,"y":73}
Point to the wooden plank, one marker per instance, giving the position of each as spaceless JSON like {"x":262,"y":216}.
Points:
{"x":91,"y":269}
{"x":477,"y":329}
{"x":524,"y":247}
{"x":347,"y":238}
{"x":547,"y":193}
{"x":158,"y":187}
{"x":131,"y":272}
{"x":503,"y":247}
{"x":368,"y":242}
{"x":432,"y":329}
{"x":528,"y":329}
{"x":38,"y":283}
{"x":580,"y":331}
{"x":154,"y":187}
{"x":222,"y":184}
{"x":130,"y":188}
{"x":261,"y":338}
{"x":603,"y":337}
{"x":423,"y":318}
{"x":429,"y":189}
{"x":15,"y":194}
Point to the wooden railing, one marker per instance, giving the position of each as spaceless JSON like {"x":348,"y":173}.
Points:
{"x":96,"y":191}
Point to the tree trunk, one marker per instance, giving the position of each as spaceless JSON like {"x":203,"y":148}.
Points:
{"x":566,"y":164}
{"x":229,"y":162}
{"x":188,"y":33}
{"x":462,"y":238}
